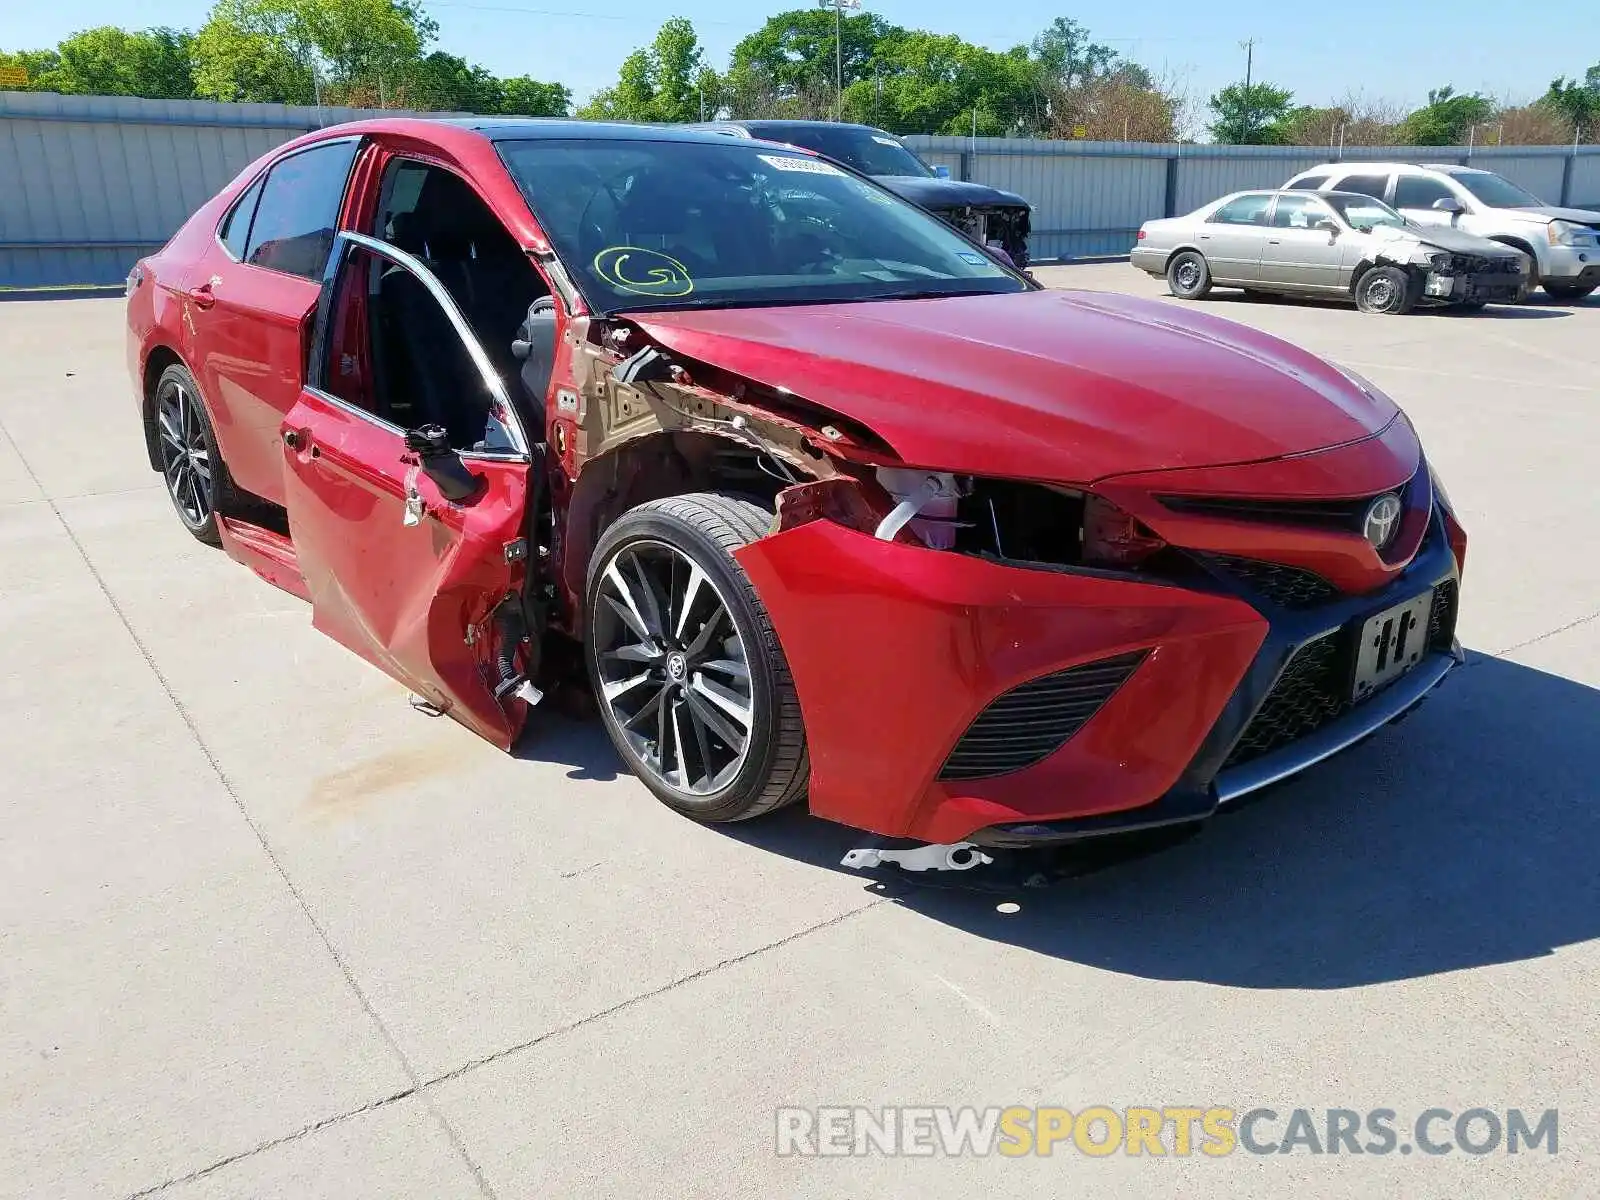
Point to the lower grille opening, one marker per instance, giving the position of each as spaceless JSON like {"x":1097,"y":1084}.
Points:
{"x":1033,"y":720}
{"x":1315,"y":687}
{"x":1289,"y":587}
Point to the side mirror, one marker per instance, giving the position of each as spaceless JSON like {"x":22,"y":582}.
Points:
{"x":1450,"y":205}
{"x":943,"y":172}
{"x":441,"y":463}
{"x":1328,"y":226}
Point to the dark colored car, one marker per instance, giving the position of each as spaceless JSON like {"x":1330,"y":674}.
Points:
{"x":831,"y":505}
{"x":987,"y":215}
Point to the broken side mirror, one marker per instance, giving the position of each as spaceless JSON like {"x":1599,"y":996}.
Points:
{"x":442,"y":464}
{"x":1328,"y":226}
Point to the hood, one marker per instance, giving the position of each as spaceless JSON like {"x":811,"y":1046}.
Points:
{"x":1551,"y":212}
{"x":949,"y":193}
{"x":1442,"y":237}
{"x":1066,"y":387}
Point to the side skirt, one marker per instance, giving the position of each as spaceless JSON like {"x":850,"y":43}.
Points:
{"x":269,"y":554}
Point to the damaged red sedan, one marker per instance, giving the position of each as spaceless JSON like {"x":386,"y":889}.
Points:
{"x":838,"y":506}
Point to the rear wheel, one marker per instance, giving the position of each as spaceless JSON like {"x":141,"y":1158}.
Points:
{"x":692,"y":685}
{"x":1188,"y":276}
{"x":190,"y":465}
{"x":1569,"y":291}
{"x":1386,"y":290}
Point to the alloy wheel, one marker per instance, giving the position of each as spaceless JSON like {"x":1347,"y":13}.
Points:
{"x":185,"y":460}
{"x":673,"y":668}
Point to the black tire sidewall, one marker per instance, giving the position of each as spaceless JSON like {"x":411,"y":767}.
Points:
{"x":1399,"y":304}
{"x":177,"y":375}
{"x":654,"y":525}
{"x":1200,"y":288}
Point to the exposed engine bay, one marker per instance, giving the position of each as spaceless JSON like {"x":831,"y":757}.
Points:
{"x":997,"y":227}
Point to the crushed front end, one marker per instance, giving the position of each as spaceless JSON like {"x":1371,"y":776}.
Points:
{"x":1035,"y":664}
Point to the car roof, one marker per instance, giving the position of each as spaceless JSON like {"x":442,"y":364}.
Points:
{"x":773,"y":123}
{"x":505,"y":129}
{"x":1345,"y":168}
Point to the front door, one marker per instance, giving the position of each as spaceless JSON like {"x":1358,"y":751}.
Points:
{"x":1302,"y":252}
{"x":250,"y":306}
{"x":396,"y":570}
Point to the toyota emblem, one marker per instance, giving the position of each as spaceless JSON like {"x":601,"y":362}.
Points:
{"x":1381,"y":521}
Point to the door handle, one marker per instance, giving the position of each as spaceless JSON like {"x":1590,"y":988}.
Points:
{"x":202,"y":297}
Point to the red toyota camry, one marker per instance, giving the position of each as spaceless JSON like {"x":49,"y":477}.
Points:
{"x":838,"y":506}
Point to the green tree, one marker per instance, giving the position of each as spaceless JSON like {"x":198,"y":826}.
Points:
{"x":938,"y":83}
{"x":107,"y":61}
{"x":37,"y":64}
{"x":1251,"y":115}
{"x":444,"y":82}
{"x":269,"y":49}
{"x":794,"y":52}
{"x":1578,"y":103}
{"x":667,"y":81}
{"x":1445,"y":119}
{"x":526,"y":97}
{"x":1069,"y":59}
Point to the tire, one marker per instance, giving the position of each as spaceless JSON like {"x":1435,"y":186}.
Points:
{"x":675,"y":725}
{"x":1188,"y":276}
{"x":196,"y":478}
{"x":1570,"y":291}
{"x":1387,"y":290}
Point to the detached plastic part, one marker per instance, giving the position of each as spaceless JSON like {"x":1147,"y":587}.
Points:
{"x":962,"y":856}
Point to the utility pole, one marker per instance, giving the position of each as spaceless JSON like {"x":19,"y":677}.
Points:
{"x":1249,"y":48}
{"x":838,"y":7}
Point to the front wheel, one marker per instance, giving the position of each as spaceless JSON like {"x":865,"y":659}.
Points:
{"x":1386,"y":290}
{"x":1569,"y":291}
{"x":692,"y":684}
{"x":1188,"y":276}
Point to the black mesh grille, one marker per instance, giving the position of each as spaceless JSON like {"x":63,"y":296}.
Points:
{"x":1308,"y":695}
{"x":1290,"y":587}
{"x":1032,"y":721}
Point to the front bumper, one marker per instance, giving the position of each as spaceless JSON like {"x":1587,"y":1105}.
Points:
{"x":1479,"y":287}
{"x":895,"y":650}
{"x":1572,"y":265}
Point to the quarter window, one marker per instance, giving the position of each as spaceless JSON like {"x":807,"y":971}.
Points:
{"x":235,"y":232}
{"x":1375,"y":186}
{"x":1418,"y":191}
{"x":1309,"y":184}
{"x":1246,"y":210}
{"x":299,"y":210}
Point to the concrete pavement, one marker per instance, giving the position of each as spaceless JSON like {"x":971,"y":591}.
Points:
{"x":266,"y":931}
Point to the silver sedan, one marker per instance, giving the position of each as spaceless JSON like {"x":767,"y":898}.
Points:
{"x":1332,"y":244}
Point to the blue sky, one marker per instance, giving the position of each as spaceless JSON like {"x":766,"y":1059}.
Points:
{"x":1382,"y":49}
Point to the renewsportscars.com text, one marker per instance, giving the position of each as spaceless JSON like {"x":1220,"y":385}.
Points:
{"x":1177,"y":1131}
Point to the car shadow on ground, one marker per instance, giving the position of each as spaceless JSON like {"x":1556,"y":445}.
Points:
{"x":1461,"y":837}
{"x":1535,"y":309}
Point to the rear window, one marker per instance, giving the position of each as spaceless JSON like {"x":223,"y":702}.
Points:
{"x":299,"y":210}
{"x":1246,"y":210}
{"x":1376,"y":186}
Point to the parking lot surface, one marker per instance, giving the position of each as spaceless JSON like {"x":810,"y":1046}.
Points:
{"x":267,"y":931}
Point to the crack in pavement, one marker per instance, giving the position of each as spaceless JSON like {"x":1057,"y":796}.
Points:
{"x":1533,"y":641}
{"x":227,"y":786}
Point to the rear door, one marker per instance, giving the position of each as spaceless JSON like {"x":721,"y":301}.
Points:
{"x":406,"y":578}
{"x":1297,"y":254}
{"x":250,"y":305}
{"x":1233,"y":237}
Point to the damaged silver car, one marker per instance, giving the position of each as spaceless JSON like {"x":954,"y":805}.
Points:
{"x":1330,"y":244}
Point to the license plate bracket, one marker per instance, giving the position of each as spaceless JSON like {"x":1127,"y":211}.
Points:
{"x":1389,"y":644}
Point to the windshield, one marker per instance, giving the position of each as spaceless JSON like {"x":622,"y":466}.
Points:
{"x":670,"y":224}
{"x":1365,"y":213}
{"x":1495,"y":191}
{"x":869,"y":151}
